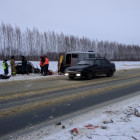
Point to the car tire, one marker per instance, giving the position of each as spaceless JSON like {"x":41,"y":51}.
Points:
{"x":109,"y":74}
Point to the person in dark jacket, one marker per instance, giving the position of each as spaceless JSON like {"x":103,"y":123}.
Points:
{"x":42,"y":61}
{"x":5,"y":67}
{"x":13,"y":66}
{"x":24,"y":65}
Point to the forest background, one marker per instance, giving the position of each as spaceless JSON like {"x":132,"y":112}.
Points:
{"x":33,"y":44}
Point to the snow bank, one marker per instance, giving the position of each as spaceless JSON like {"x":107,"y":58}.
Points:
{"x":126,"y":64}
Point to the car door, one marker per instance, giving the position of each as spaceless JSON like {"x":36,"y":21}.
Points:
{"x":105,"y":65}
{"x":97,"y":66}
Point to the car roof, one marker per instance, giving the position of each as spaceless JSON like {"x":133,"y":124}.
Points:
{"x":94,"y":58}
{"x":77,"y":52}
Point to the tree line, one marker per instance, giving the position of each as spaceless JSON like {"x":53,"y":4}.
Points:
{"x":33,"y":44}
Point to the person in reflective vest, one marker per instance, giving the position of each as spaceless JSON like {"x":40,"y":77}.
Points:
{"x":46,"y":65}
{"x":61,"y":66}
{"x":13,"y":66}
{"x":5,"y":67}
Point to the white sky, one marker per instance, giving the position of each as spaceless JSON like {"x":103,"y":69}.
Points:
{"x":113,"y":20}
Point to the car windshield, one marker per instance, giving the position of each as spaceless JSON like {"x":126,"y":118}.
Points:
{"x":86,"y":62}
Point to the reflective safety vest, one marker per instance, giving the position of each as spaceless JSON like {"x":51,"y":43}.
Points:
{"x":60,"y":61}
{"x":4,"y":65}
{"x":46,"y":61}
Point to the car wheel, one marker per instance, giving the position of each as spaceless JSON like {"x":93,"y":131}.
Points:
{"x":110,"y":73}
{"x":71,"y":77}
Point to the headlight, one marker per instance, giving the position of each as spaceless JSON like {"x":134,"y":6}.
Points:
{"x":78,"y":74}
{"x":66,"y":74}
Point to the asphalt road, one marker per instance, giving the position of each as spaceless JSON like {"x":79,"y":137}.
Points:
{"x":28,"y":103}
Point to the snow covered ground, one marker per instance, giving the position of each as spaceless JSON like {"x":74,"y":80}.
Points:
{"x":117,"y":121}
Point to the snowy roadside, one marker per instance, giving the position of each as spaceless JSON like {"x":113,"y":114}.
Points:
{"x":120,"y":65}
{"x":31,"y":76}
{"x":118,"y":121}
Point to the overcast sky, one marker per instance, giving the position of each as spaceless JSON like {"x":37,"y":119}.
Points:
{"x":112,"y":20}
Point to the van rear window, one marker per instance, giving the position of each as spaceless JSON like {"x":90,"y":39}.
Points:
{"x":74,"y":56}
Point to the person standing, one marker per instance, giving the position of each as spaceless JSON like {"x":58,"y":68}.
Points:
{"x":13,"y":66}
{"x":61,"y":67}
{"x":46,"y":65}
{"x":42,"y":61}
{"x":24,"y":65}
{"x":5,"y":67}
